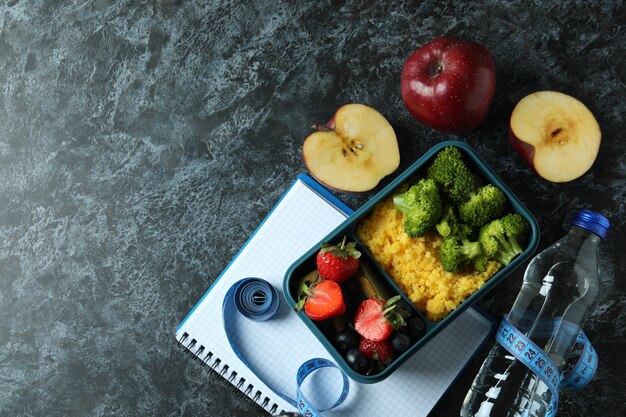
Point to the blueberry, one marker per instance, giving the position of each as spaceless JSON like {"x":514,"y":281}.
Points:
{"x":403,"y":305}
{"x":416,"y":327}
{"x":400,"y":341}
{"x":347,"y":339}
{"x":357,"y":360}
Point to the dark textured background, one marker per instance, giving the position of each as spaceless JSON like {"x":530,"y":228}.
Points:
{"x":141,"y":143}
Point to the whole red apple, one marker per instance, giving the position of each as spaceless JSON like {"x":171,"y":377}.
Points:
{"x":448,"y":84}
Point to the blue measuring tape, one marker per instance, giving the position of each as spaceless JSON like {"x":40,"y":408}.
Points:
{"x":538,"y":361}
{"x":258,"y":300}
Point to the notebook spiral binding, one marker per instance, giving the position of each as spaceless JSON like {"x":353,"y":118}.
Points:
{"x":208,"y":359}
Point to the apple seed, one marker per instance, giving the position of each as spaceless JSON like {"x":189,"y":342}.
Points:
{"x":556,"y":132}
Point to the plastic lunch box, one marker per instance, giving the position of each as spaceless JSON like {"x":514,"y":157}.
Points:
{"x":306,"y":263}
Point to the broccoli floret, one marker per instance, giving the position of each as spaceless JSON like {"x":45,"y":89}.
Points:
{"x":516,"y":228}
{"x":458,"y":252}
{"x":452,"y":175}
{"x":421,"y":207}
{"x":480,"y":263}
{"x":450,"y":225}
{"x":500,"y":239}
{"x":463,"y":230}
{"x":486,"y":204}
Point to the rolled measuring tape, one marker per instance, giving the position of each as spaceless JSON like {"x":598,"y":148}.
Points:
{"x":538,"y":361}
{"x":256,"y":299}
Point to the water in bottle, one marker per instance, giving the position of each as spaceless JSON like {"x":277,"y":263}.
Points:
{"x":561,"y":283}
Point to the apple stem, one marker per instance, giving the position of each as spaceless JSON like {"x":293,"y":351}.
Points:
{"x":436,"y":69}
{"x":322,"y":128}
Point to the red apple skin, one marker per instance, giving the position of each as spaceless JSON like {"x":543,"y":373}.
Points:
{"x":448,"y":84}
{"x":523,"y":149}
{"x":330,"y":125}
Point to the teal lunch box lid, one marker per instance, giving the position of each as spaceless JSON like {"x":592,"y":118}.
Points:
{"x":306,"y":263}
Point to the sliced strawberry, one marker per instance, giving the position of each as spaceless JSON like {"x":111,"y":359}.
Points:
{"x":376,"y":320}
{"x":321,"y":300}
{"x":370,"y":321}
{"x":381,"y":351}
{"x":338,"y":263}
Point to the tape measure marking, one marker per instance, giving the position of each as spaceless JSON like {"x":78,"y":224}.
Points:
{"x":538,"y":361}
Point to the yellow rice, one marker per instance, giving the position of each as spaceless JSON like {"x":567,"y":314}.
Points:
{"x":413,"y":263}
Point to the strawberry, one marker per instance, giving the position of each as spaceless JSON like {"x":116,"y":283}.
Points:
{"x":321,"y":299}
{"x":381,"y":351}
{"x":338,"y":263}
{"x":376,"y":320}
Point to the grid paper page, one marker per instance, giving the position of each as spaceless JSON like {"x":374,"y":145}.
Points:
{"x":277,"y":348}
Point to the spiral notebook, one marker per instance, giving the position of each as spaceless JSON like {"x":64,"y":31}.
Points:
{"x":306,"y":213}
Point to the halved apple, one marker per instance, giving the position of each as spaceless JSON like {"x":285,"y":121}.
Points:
{"x":556,"y":135}
{"x":354,"y":151}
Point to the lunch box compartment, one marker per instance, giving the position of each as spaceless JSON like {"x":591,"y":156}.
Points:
{"x":416,"y":171}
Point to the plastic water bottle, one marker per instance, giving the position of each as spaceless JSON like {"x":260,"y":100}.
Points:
{"x":560,"y":282}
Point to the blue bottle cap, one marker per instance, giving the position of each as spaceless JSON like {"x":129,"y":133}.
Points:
{"x":593,"y":222}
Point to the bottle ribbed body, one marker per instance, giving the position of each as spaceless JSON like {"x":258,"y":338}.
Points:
{"x":560,"y":284}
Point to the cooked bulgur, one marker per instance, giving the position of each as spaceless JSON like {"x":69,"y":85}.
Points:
{"x":413,"y":263}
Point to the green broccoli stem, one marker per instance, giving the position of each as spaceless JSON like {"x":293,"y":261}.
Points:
{"x":506,"y":251}
{"x":515,"y":244}
{"x":401,"y":204}
{"x":470,"y":249}
{"x":444,"y":228}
